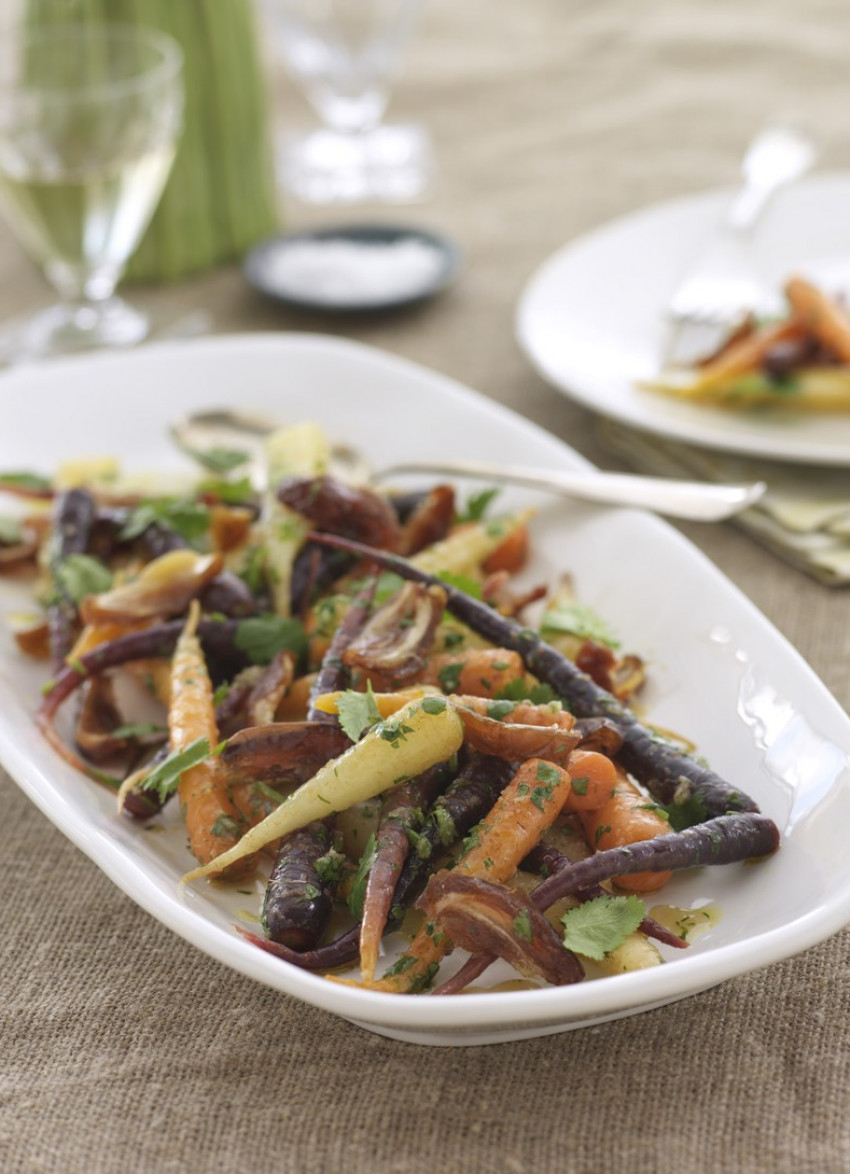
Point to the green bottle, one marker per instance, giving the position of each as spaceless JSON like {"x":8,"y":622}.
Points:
{"x":220,"y":198}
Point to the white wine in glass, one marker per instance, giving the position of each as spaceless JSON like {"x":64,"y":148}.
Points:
{"x":90,"y":117}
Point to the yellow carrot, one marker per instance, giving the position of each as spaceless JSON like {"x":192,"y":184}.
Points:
{"x":420,"y":735}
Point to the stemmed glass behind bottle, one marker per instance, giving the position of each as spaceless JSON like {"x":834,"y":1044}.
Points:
{"x":90,"y":116}
{"x":345,"y":55}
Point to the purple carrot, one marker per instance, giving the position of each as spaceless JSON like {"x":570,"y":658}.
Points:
{"x":217,"y":636}
{"x":341,"y":952}
{"x":333,"y":675}
{"x":298,"y":898}
{"x":728,"y":839}
{"x":466,"y":801}
{"x":401,"y":815}
{"x":671,"y":776}
{"x":74,"y":514}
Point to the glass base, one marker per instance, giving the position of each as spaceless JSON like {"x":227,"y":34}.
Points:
{"x":70,"y":328}
{"x":392,"y":164}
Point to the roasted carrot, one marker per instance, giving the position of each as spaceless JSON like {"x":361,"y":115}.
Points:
{"x":627,"y":817}
{"x":401,"y":816}
{"x":213,"y":822}
{"x":594,"y":778}
{"x":511,"y":554}
{"x":820,"y":315}
{"x":479,"y":672}
{"x":493,"y":850}
{"x":744,"y":357}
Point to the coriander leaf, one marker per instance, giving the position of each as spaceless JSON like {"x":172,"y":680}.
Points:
{"x":476,"y":505}
{"x":230,"y":492}
{"x":433,"y":705}
{"x":188,"y":518}
{"x":357,"y":711}
{"x":578,"y":620}
{"x":522,"y":925}
{"x":685,"y":814}
{"x":164,"y":778}
{"x":464,"y":583}
{"x":218,"y":459}
{"x":358,"y":885}
{"x":33,"y":482}
{"x":137,"y":730}
{"x":449,"y":677}
{"x":597,"y":927}
{"x":262,"y":637}
{"x":519,"y":691}
{"x":79,"y":575}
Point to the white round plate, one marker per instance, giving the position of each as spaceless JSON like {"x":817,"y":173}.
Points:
{"x":718,"y":671}
{"x":591,"y":320}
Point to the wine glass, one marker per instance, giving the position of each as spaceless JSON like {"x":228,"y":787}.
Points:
{"x":90,"y":115}
{"x":345,"y":55}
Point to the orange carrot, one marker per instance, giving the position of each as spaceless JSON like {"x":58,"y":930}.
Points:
{"x":213,"y":823}
{"x":594,"y":778}
{"x":743,"y":357}
{"x":480,"y":672}
{"x":511,"y":554}
{"x":627,"y":817}
{"x":826,"y":319}
{"x":526,"y":808}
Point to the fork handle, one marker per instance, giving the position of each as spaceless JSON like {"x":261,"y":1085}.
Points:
{"x":694,"y":500}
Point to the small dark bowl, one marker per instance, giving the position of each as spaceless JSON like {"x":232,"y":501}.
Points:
{"x":259,"y":268}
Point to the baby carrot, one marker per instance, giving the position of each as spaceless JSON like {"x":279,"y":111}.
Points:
{"x":593,"y":780}
{"x":627,"y":817}
{"x":823,"y":317}
{"x":479,"y":672}
{"x":213,"y":823}
{"x":526,"y":808}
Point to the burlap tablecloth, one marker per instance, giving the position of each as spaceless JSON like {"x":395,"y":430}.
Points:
{"x":122,"y":1048}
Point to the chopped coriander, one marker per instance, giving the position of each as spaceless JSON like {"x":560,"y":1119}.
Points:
{"x":522,"y":925}
{"x":597,"y":927}
{"x":464,"y":583}
{"x":476,"y":505}
{"x":578,"y":620}
{"x":262,"y":637}
{"x":32,"y":482}
{"x":520,"y":691}
{"x":449,"y":677}
{"x":357,"y":711}
{"x":226,"y":826}
{"x":218,"y":459}
{"x":433,"y":705}
{"x":79,"y":575}
{"x":188,"y":518}
{"x":497,"y":710}
{"x":358,"y":885}
{"x":137,"y":730}
{"x":164,"y":778}
{"x":236,"y":492}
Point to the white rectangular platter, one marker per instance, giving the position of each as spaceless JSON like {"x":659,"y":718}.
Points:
{"x":719,"y":672}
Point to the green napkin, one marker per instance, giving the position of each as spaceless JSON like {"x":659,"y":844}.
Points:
{"x":804,"y":517}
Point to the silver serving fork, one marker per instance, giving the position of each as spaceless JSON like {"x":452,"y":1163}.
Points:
{"x":723,"y":285}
